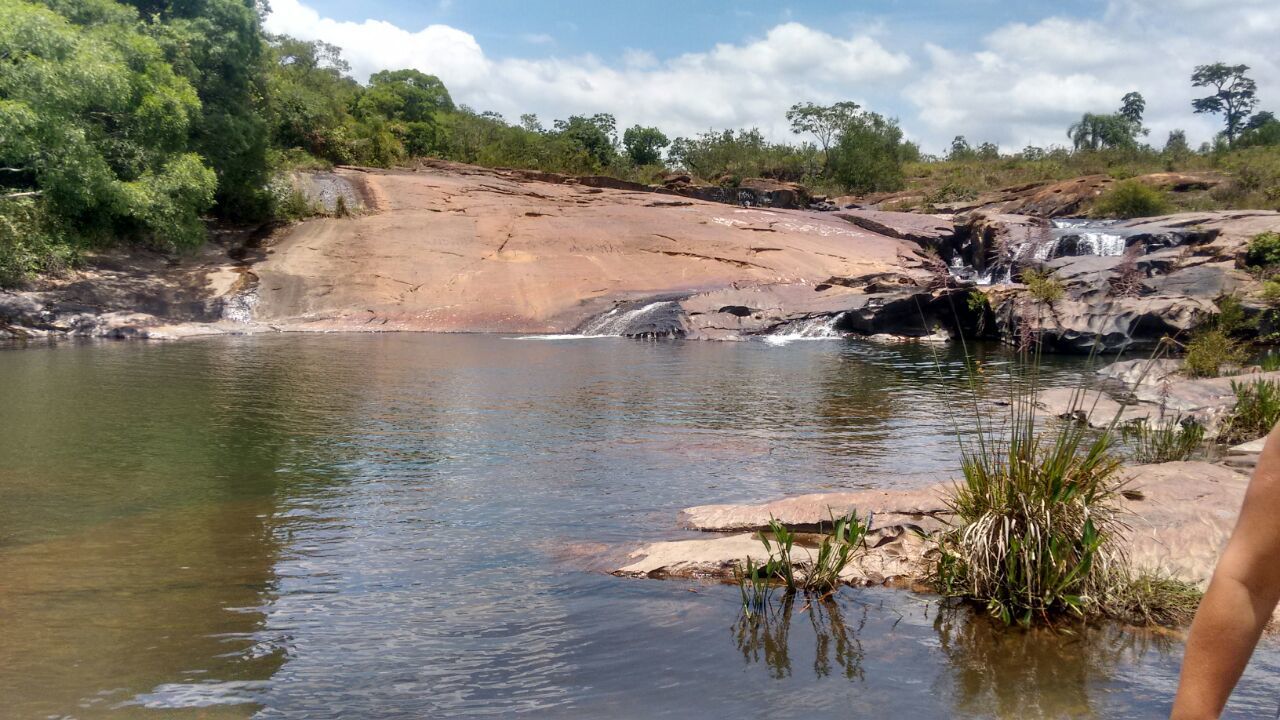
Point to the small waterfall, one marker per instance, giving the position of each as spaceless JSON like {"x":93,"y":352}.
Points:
{"x":1072,"y":237}
{"x":652,"y":320}
{"x":822,"y":327}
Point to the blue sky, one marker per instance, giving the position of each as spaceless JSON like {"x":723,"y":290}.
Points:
{"x":1011,"y":73}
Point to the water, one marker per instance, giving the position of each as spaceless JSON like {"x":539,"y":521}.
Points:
{"x":815,"y":328}
{"x":649,"y":319}
{"x":409,"y":526}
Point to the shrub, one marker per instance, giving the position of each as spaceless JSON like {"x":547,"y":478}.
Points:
{"x":30,"y":244}
{"x":1036,"y":517}
{"x":1270,"y":293}
{"x":1042,"y":286}
{"x":1131,"y":199}
{"x":1207,"y":352}
{"x":1264,"y":250}
{"x":1176,"y":439}
{"x":1256,"y":412}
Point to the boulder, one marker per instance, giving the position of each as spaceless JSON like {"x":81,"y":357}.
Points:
{"x":929,"y":231}
{"x":1107,"y":325}
{"x":921,"y":508}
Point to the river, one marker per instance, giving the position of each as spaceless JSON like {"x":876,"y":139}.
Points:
{"x":411,"y":525}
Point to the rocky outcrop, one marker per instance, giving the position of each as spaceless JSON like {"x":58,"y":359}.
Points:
{"x":1179,"y":516}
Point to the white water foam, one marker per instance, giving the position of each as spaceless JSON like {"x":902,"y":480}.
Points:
{"x":815,"y":328}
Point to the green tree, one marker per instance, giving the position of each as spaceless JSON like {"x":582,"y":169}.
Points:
{"x":869,"y":154}
{"x":960,"y":150}
{"x":1263,"y":129}
{"x":412,"y":101}
{"x":309,"y":96}
{"x":1235,"y":95}
{"x":644,"y":145}
{"x":1103,"y":132}
{"x":1132,"y":107}
{"x":595,"y":137}
{"x":94,"y":124}
{"x":218,"y":45}
{"x":824,"y":122}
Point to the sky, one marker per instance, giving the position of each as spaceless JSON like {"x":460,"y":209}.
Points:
{"x":1015,"y":74}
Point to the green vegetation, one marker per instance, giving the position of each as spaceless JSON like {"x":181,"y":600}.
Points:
{"x":1036,"y":520}
{"x":1168,"y":441}
{"x":1131,"y":199}
{"x":1256,"y":412}
{"x":1209,"y":350}
{"x":1264,"y":251}
{"x":820,"y":575}
{"x":1042,"y":286}
{"x":1153,"y":599}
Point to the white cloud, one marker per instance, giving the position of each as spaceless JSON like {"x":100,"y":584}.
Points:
{"x":743,"y":85}
{"x":1029,"y":82}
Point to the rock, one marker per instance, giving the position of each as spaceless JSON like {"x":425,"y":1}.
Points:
{"x":916,"y":507}
{"x":1183,"y":181}
{"x":929,"y":231}
{"x":1096,"y":408}
{"x":1151,"y":371}
{"x":1179,"y":517}
{"x":1109,"y":325}
{"x":1208,"y":394}
{"x":1185,"y":517}
{"x":776,"y":194}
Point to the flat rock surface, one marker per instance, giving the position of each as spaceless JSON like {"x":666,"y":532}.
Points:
{"x":889,"y":507}
{"x":1180,"y":516}
{"x":470,"y":249}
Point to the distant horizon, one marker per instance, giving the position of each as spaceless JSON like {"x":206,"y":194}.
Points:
{"x":1013,"y":76}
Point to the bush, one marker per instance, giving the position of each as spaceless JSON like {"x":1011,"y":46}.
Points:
{"x":1256,"y":412}
{"x":1176,"y":439}
{"x":1131,"y":199}
{"x":30,"y":244}
{"x":1209,"y":350}
{"x":1264,"y":250}
{"x":1042,"y":286}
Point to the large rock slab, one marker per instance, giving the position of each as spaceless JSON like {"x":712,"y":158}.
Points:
{"x":468,"y":249}
{"x":921,"y":508}
{"x":1185,"y":517}
{"x":1178,"y":516}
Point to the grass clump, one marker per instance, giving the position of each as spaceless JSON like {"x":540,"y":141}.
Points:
{"x":1170,"y":441}
{"x":1042,"y":286}
{"x":1255,"y":413}
{"x":1153,"y":599}
{"x":1131,"y":199}
{"x":1208,"y":351}
{"x":1037,"y":516}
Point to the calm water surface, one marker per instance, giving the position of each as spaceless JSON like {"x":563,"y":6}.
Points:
{"x":408,"y":526}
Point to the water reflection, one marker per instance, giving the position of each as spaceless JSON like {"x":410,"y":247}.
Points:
{"x":1040,"y":672}
{"x":766,"y":637}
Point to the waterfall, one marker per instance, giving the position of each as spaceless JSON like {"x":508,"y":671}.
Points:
{"x":822,"y":327}
{"x":655,"y":319}
{"x":1072,"y":237}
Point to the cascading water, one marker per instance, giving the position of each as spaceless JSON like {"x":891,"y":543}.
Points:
{"x":655,"y":319}
{"x":814,"y":328}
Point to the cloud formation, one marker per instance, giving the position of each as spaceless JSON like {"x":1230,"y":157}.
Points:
{"x":1023,"y":85}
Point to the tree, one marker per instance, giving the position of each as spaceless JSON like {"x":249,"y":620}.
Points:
{"x":1132,"y":107}
{"x":644,"y":144}
{"x":988,"y":151}
{"x":1176,"y":146}
{"x":218,"y":45}
{"x":960,"y":149}
{"x":411,"y":101}
{"x":95,"y":126}
{"x":1263,"y":129}
{"x":1103,"y":132}
{"x":869,"y":154}
{"x":309,"y":98}
{"x":1234,"y":97}
{"x":593,"y":136}
{"x":824,"y":122}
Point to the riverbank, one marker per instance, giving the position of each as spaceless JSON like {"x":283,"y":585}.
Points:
{"x":454,"y":248}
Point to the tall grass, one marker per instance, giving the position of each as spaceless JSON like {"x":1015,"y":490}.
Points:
{"x":1255,"y":413}
{"x":1036,"y":518}
{"x":1167,"y":441}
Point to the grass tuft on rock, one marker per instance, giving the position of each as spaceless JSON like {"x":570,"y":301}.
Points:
{"x":1153,"y":599}
{"x":1037,"y":518}
{"x":1167,"y":441}
{"x":1131,"y":199}
{"x":1256,"y":411}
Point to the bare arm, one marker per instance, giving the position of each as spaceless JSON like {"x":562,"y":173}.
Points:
{"x":1240,"y":599}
